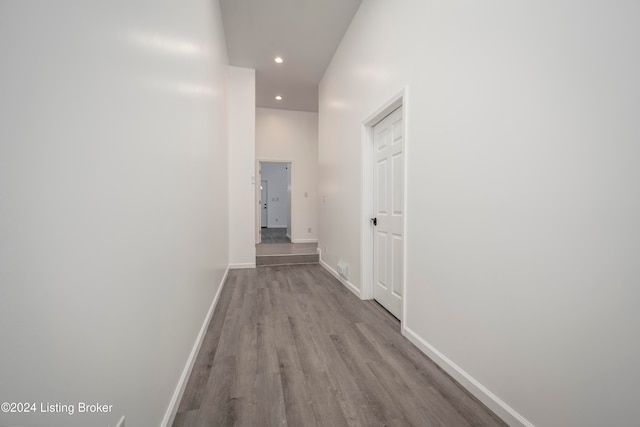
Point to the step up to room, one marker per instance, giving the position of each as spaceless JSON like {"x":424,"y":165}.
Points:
{"x":287,"y":259}
{"x":286,"y":254}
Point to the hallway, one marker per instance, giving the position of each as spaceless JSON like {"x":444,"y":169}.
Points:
{"x":131,"y":138}
{"x":291,"y":346}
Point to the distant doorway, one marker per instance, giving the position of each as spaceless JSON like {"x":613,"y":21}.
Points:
{"x":274,"y":202}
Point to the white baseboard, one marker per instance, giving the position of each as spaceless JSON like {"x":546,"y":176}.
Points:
{"x":304,"y":241}
{"x":493,"y":402}
{"x":341,"y":279}
{"x":170,"y":415}
{"x":240,"y":265}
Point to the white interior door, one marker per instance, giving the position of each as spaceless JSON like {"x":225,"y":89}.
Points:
{"x":388,"y":203}
{"x":263,"y":204}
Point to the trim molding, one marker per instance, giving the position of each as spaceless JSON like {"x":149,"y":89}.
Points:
{"x":304,"y":240}
{"x":172,"y":409}
{"x":241,"y":265}
{"x":493,"y":402}
{"x":399,"y":100}
{"x":347,"y":284}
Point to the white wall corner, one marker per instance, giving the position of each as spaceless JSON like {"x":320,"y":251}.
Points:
{"x":172,"y":409}
{"x":342,"y":280}
{"x":493,"y":402}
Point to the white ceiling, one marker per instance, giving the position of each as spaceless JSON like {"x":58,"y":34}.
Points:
{"x":305,"y":33}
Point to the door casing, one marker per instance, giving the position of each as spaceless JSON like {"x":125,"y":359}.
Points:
{"x":400,"y":99}
{"x":264,"y":198}
{"x":258,"y":205}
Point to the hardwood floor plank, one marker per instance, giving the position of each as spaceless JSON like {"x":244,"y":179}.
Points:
{"x":271,"y":410}
{"x":298,"y":402}
{"x":245,"y":409}
{"x":228,"y":344}
{"x":290,"y":345}
{"x":263,"y":303}
{"x":268,"y":355}
{"x":326,"y":403}
{"x":186,"y":418}
{"x":379,"y":402}
{"x":354,"y":403}
{"x":420,"y":374}
{"x":426,"y":408}
{"x":217,"y":408}
{"x":310,"y":359}
{"x":196,"y":386}
{"x":246,"y":362}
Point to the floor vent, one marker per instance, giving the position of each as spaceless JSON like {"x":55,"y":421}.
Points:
{"x":343,"y":269}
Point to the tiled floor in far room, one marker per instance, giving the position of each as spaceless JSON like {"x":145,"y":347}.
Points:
{"x":275,"y":235}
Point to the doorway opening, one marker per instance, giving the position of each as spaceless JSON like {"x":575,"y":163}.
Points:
{"x":384,"y":153}
{"x":274,"y":202}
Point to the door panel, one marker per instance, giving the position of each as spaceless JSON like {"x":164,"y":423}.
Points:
{"x":381,"y":261}
{"x":381,"y":208}
{"x":397,"y":261}
{"x":388,"y":200}
{"x":398,"y":201}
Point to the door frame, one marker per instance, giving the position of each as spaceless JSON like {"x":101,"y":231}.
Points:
{"x":399,"y":100}
{"x":266,"y":191}
{"x":257,"y":195}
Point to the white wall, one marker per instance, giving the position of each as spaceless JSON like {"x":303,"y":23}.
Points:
{"x":113,"y":201}
{"x":278,"y":195}
{"x":283,"y":135}
{"x":523,"y":191}
{"x":242,"y":144}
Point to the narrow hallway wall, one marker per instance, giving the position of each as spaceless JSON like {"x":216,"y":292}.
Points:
{"x":113,"y":202}
{"x":523,"y":193}
{"x":242,"y":146}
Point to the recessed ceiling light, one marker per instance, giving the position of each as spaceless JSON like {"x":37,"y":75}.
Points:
{"x":279,"y":60}
{"x":278,"y":97}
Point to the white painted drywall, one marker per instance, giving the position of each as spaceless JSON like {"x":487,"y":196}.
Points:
{"x":283,"y":135}
{"x":278,"y":197}
{"x":523,"y":190}
{"x":113,"y":201}
{"x":241,"y":116}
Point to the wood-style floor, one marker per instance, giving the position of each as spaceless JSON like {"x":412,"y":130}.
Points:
{"x":291,"y":346}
